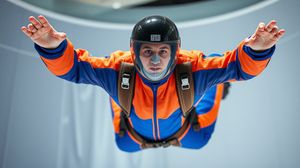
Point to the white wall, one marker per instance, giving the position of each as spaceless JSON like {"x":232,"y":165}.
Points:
{"x":47,"y":122}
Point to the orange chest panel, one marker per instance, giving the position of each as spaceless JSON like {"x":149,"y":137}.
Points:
{"x":162,"y":100}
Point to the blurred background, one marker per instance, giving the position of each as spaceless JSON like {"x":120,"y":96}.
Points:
{"x":46,"y":122}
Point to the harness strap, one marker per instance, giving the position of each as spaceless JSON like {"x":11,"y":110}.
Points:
{"x":185,"y":87}
{"x":173,"y":140}
{"x":126,"y":83}
{"x":185,"y":91}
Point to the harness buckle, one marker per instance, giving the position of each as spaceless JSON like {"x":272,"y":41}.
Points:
{"x":125,"y":81}
{"x":185,"y":85}
{"x":165,"y":144}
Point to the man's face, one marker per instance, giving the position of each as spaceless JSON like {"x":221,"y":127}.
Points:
{"x":155,"y":56}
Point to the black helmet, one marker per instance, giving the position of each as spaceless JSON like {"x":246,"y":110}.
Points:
{"x":155,"y":30}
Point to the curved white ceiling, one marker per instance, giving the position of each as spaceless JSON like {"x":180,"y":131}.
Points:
{"x":85,"y":13}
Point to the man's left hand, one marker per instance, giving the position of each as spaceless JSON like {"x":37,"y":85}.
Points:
{"x":265,"y":36}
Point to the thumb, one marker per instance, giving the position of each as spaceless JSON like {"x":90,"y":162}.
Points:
{"x":248,"y":41}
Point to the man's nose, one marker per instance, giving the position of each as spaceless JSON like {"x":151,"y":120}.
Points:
{"x":155,"y":59}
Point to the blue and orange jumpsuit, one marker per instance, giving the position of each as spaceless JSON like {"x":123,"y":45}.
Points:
{"x":156,"y":113}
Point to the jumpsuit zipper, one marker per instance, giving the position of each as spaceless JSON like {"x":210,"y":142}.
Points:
{"x":155,"y":112}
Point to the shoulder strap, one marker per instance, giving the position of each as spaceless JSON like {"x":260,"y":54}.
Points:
{"x":185,"y":87}
{"x":126,"y":86}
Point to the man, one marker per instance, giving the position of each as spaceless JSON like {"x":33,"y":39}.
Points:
{"x":169,"y":103}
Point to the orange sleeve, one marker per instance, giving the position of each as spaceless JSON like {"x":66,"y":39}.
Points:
{"x":63,"y":64}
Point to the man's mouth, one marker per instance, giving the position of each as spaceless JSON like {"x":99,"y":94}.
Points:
{"x":155,"y":68}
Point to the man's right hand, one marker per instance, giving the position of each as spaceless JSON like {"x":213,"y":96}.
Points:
{"x":42,"y":33}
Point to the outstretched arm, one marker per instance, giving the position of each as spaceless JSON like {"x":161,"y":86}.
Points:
{"x":75,"y":65}
{"x":41,"y":32}
{"x":248,"y":60}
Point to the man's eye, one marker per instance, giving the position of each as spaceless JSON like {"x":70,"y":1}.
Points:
{"x":163,"y":52}
{"x":147,"y":52}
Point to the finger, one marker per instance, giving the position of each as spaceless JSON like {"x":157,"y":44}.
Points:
{"x":270,"y":25}
{"x":44,"y":21}
{"x":280,"y":33}
{"x":35,"y":22}
{"x":260,"y":28}
{"x":32,"y":28}
{"x":26,"y":31}
{"x":274,"y":30}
